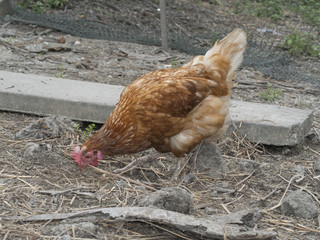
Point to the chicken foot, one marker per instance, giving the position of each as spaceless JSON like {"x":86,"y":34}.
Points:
{"x":141,"y":161}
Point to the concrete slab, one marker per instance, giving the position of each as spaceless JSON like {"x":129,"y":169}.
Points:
{"x":93,"y":102}
{"x":271,"y":124}
{"x":42,"y":95}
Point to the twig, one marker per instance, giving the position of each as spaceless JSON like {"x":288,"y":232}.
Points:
{"x":297,"y":226}
{"x":167,"y":230}
{"x":224,"y":205}
{"x":225,"y":208}
{"x":14,"y":176}
{"x":25,"y":182}
{"x":122,"y":177}
{"x":303,"y":189}
{"x":187,"y":223}
{"x":284,"y":194}
{"x":270,"y":193}
{"x":54,"y":192}
{"x":245,"y":179}
{"x":314,"y":151}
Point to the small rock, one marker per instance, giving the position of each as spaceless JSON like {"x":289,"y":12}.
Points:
{"x":57,"y":47}
{"x":173,"y":199}
{"x":299,"y":169}
{"x":264,"y":166}
{"x":123,"y":184}
{"x":220,"y":190}
{"x":210,"y":211}
{"x":189,"y":178}
{"x":35,"y":48}
{"x":210,"y":159}
{"x":223,"y":184}
{"x":316,"y":166}
{"x":6,"y":33}
{"x":62,"y":40}
{"x":83,"y":229}
{"x":249,"y":166}
{"x":31,"y":148}
{"x":300,"y":204}
{"x":63,"y":237}
{"x":312,"y":137}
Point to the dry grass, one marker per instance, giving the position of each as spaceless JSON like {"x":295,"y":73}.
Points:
{"x":50,"y":182}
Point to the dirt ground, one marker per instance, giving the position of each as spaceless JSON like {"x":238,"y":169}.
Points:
{"x":26,"y":181}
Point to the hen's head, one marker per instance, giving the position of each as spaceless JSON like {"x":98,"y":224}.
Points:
{"x":83,"y":158}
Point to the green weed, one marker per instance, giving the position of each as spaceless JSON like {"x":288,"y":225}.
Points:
{"x":267,"y":9}
{"x":271,"y":94}
{"x":301,"y":45}
{"x":87,"y":132}
{"x":39,"y":6}
{"x":303,"y":104}
{"x":174,"y":63}
{"x":60,"y":73}
{"x":214,"y":37}
{"x":308,"y":9}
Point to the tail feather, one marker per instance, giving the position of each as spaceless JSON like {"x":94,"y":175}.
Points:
{"x":230,"y":47}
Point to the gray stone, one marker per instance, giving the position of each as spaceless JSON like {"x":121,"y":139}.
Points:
{"x":219,"y":190}
{"x":248,"y":165}
{"x":35,"y":48}
{"x":173,"y":199}
{"x":210,"y":160}
{"x":56,"y":47}
{"x":83,"y":229}
{"x":316,"y":166}
{"x":7,"y":33}
{"x":299,"y":170}
{"x":189,"y":178}
{"x":300,"y":204}
{"x":63,"y":237}
{"x":93,"y":102}
{"x":31,"y":148}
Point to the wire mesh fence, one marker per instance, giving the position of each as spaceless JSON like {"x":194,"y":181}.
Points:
{"x":192,"y":28}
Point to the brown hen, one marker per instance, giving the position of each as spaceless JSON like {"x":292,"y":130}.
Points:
{"x":172,"y":110}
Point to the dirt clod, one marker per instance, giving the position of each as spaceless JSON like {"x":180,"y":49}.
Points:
{"x":300,"y":204}
{"x":211,"y":160}
{"x":174,"y":199}
{"x":46,"y":128}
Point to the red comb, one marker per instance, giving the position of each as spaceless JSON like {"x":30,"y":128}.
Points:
{"x":82,"y":161}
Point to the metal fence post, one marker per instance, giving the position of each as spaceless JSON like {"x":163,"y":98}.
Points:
{"x":163,"y":23}
{"x":5,"y":8}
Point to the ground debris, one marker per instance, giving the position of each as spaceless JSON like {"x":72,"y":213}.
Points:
{"x":173,"y":199}
{"x":316,"y":166}
{"x":48,"y":127}
{"x":42,"y":183}
{"x":210,"y":159}
{"x":220,"y":229}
